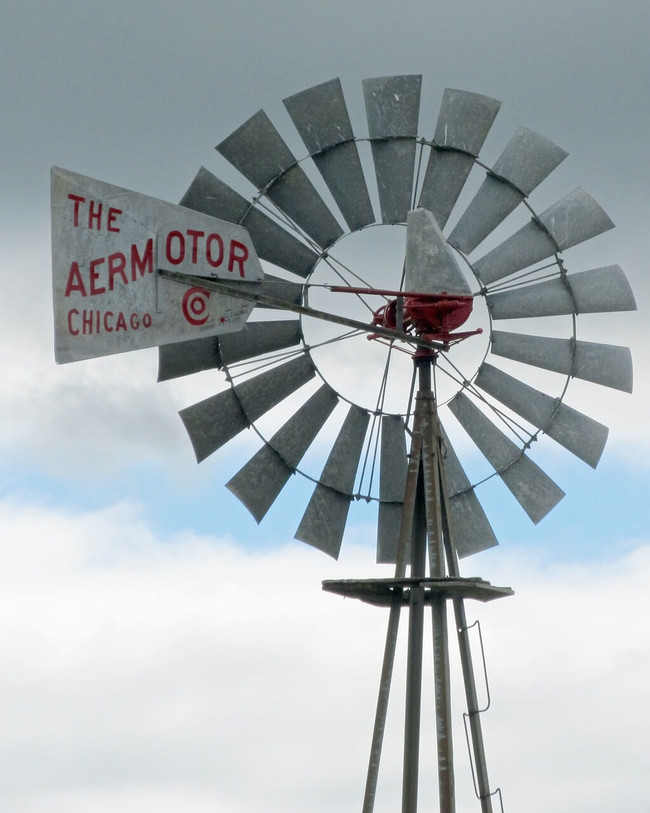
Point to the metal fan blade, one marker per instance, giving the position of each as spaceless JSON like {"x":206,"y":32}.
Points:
{"x":217,"y":419}
{"x":604,"y":364}
{"x":321,"y":117}
{"x":323,"y":523}
{"x":579,"y":434}
{"x":430,"y":265}
{"x":392,"y":482}
{"x":526,"y":161}
{"x":258,"y":151}
{"x":258,"y":338}
{"x":260,"y":481}
{"x":185,"y":358}
{"x":392,"y":109}
{"x":212,"y":196}
{"x":471,"y":530}
{"x":463,"y":123}
{"x":532,"y":488}
{"x":209,"y":353}
{"x":600,"y":290}
{"x":572,"y":220}
{"x":278,"y":288}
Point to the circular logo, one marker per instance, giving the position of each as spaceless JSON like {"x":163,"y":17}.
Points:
{"x":195,"y":305}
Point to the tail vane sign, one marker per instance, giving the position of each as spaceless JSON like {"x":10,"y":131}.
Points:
{"x":107,"y":246}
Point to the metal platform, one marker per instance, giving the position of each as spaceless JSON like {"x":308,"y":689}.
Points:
{"x":383,"y":592}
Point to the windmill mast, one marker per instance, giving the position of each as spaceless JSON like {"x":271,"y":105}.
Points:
{"x":426,"y":539}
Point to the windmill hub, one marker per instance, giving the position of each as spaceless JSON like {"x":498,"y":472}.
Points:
{"x":431,"y":316}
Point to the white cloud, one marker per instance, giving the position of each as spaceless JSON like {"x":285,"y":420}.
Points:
{"x":147,"y":673}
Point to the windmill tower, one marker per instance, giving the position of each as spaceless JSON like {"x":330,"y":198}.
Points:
{"x":444,"y":298}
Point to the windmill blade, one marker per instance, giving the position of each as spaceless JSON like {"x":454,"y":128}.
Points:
{"x":572,"y":220}
{"x":392,"y":110}
{"x":278,"y":288}
{"x":463,"y":123}
{"x":527,"y":159}
{"x":212,"y":196}
{"x":534,"y":491}
{"x":579,"y":434}
{"x":599,"y":290}
{"x":217,"y":419}
{"x":392,"y":482}
{"x":321,"y":117}
{"x":323,"y":523}
{"x":430,"y":266}
{"x":260,"y":481}
{"x":471,"y":530}
{"x":258,"y":151}
{"x":605,"y":364}
{"x":208,"y":353}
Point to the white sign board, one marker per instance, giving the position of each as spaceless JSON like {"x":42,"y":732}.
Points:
{"x":107,"y":246}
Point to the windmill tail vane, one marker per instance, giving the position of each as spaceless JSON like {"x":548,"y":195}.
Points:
{"x":252,"y":286}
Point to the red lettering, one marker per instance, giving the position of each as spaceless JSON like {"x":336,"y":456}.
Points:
{"x":112,"y":214}
{"x":134,"y":321}
{"x":142,"y":264}
{"x":214,"y":238}
{"x":116,"y":265}
{"x":238,"y":256}
{"x":94,"y":276}
{"x":71,"y":330}
{"x":107,"y":327}
{"x":195,"y":239}
{"x":75,"y":283}
{"x":147,"y":320}
{"x":95,"y":214}
{"x":121,"y":322}
{"x":178,"y":258}
{"x":77,"y":200}
{"x":87,"y":322}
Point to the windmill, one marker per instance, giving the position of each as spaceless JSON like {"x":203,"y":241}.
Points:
{"x":440,"y":307}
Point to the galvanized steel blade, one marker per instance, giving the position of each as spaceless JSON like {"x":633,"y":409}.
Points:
{"x":572,"y":220}
{"x":259,"y":338}
{"x":254,"y":339}
{"x":212,"y":196}
{"x":393,"y":467}
{"x":464,"y":121}
{"x":258,"y":151}
{"x":599,"y":290}
{"x":392,"y":110}
{"x":323,"y":522}
{"x":282,"y":290}
{"x":219,"y":418}
{"x":470,"y":526}
{"x":184,"y":358}
{"x":321,"y":117}
{"x":606,"y":364}
{"x":532,"y":488}
{"x":430,"y":265}
{"x":522,"y":166}
{"x":260,"y":481}
{"x":579,"y":434}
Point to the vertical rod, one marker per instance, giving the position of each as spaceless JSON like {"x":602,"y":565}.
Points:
{"x":382,"y":704}
{"x":414,"y":663}
{"x":478,"y":747}
{"x":403,"y":558}
{"x":440,"y":629}
{"x":480,"y":763}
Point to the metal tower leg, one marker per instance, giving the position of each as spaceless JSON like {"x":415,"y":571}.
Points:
{"x":425,"y":518}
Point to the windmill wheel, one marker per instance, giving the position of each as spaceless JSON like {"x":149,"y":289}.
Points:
{"x":277,"y":365}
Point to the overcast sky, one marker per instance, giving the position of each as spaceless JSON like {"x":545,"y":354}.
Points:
{"x":158,"y":649}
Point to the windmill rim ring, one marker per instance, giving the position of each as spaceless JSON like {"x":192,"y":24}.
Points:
{"x":261,"y":200}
